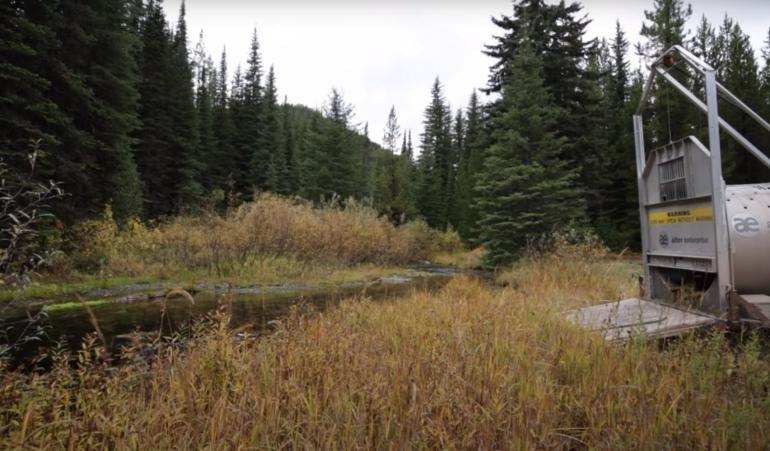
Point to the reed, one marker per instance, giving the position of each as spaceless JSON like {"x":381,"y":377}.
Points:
{"x":472,"y":366}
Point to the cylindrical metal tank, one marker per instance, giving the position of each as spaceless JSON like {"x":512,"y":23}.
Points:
{"x":748,"y":224}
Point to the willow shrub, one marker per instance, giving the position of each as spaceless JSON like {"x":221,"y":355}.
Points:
{"x":266,"y":228}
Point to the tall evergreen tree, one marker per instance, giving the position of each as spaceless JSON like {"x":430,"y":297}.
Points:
{"x":204,"y":105}
{"x":526,"y":186}
{"x":469,"y":166}
{"x":270,"y":140}
{"x":289,"y":145}
{"x":387,"y":178}
{"x":458,"y":150}
{"x":337,"y":148}
{"x":258,"y":157}
{"x":435,"y":163}
{"x":556,"y":32}
{"x":185,"y":148}
{"x":167,"y":151}
{"x":253,"y":169}
{"x":221,"y":160}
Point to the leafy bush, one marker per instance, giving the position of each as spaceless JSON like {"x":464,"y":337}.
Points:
{"x":24,"y":215}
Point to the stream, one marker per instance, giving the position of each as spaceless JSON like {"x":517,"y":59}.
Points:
{"x":123,"y":312}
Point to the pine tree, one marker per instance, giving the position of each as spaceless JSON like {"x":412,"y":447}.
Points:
{"x":392,"y":131}
{"x":469,"y":166}
{"x":556,"y":32}
{"x":270,"y":139}
{"x":256,"y":170}
{"x":434,"y":163}
{"x":167,"y":151}
{"x":336,"y":146}
{"x":188,"y":191}
{"x":458,"y":151}
{"x":388,"y":182}
{"x":289,"y":145}
{"x":221,"y":161}
{"x":526,"y":186}
{"x":204,"y":105}
{"x":93,"y":83}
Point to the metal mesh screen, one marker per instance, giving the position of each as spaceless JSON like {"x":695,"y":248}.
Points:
{"x":673,"y":182}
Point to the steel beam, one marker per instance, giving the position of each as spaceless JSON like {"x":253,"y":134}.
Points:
{"x":718,"y":192}
{"x":751,"y":148}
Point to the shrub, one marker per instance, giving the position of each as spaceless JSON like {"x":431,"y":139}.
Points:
{"x":268,"y":227}
{"x":24,"y":217}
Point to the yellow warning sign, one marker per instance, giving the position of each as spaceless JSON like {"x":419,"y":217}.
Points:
{"x":683,"y":216}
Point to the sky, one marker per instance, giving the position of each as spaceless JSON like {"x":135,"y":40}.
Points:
{"x":387,"y":53}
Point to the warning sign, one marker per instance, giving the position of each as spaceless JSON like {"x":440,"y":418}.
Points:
{"x":682,"y":216}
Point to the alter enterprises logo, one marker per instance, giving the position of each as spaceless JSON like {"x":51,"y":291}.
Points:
{"x":663,"y":239}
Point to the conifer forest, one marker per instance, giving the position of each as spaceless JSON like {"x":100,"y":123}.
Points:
{"x":171,"y":225}
{"x":125,"y":110}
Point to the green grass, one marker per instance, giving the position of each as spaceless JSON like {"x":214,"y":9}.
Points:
{"x":309,"y":274}
{"x":73,"y":305}
{"x":55,"y":289}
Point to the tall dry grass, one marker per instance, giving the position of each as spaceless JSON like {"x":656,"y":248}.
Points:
{"x":272,"y":229}
{"x":471,"y":366}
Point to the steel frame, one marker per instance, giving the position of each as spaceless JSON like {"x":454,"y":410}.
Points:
{"x":712,"y":89}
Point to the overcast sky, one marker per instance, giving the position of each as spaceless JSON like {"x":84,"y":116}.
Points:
{"x":383,"y":53}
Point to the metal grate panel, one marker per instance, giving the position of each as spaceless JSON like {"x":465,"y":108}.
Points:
{"x":673,"y":181}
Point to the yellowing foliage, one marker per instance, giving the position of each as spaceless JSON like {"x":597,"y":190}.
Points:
{"x":265,"y":229}
{"x":468,"y":367}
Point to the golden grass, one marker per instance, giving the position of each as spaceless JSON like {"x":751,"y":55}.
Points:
{"x":470,"y":366}
{"x":271,"y":233}
{"x":469,"y":259}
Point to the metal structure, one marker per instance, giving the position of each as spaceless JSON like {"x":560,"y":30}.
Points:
{"x":702,"y":241}
{"x":696,"y":231}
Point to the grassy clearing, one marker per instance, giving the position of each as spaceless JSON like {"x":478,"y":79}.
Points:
{"x":471,"y":366}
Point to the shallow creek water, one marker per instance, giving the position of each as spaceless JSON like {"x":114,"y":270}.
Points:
{"x":124,"y":311}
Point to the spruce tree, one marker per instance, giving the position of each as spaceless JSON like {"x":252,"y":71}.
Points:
{"x":469,"y":166}
{"x":556,"y":33}
{"x":342,"y":160}
{"x":435,"y":160}
{"x":270,"y":139}
{"x":221,"y":160}
{"x":93,"y":82}
{"x":167,"y":151}
{"x":289,"y":146}
{"x":204,"y":105}
{"x":255,"y":171}
{"x":387,"y":179}
{"x":458,"y":150}
{"x":526,"y":186}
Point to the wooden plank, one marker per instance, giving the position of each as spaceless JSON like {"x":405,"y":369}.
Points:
{"x":621,"y":320}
